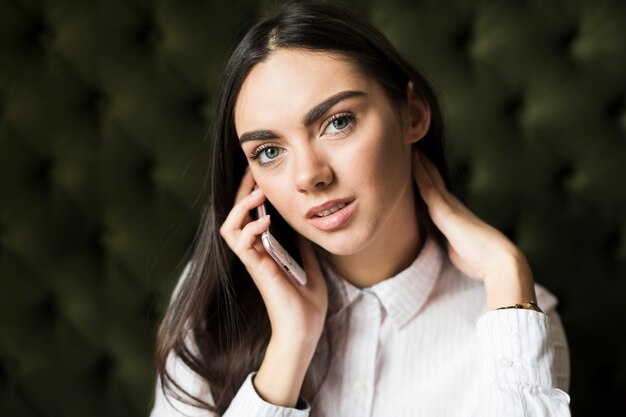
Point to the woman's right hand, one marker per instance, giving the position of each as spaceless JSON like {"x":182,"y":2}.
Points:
{"x":296,"y":313}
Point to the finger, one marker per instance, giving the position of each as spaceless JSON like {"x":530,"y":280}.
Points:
{"x":430,"y":193}
{"x":239,"y":215}
{"x":434,"y":178}
{"x":421,"y":178}
{"x":246,"y":185}
{"x":310,"y":263}
{"x":428,"y":186}
{"x":247,"y":248}
{"x":432,"y":172}
{"x":446,"y":211}
{"x":250,"y":233}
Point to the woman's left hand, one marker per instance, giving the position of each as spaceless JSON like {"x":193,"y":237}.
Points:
{"x":474,"y":247}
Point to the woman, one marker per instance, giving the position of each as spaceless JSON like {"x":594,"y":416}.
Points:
{"x":407,"y":306}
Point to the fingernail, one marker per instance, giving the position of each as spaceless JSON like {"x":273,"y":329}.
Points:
{"x":256,"y":191}
{"x":423,"y":173}
{"x":418,"y":160}
{"x":263,"y":219}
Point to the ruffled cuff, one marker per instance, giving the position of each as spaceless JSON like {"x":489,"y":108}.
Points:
{"x":515,"y":346}
{"x":247,"y":402}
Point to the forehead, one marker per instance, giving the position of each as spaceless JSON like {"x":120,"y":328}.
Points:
{"x":290,"y":82}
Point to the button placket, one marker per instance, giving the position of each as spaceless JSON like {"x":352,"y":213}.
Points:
{"x":359,"y":388}
{"x":505,"y":362}
{"x":368,"y":315}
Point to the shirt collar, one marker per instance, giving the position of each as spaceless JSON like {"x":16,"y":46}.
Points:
{"x":404,"y":294}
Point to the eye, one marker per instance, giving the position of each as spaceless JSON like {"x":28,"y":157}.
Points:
{"x":339,"y":123}
{"x":265,"y":155}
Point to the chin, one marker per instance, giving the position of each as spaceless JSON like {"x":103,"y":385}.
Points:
{"x":341,"y":244}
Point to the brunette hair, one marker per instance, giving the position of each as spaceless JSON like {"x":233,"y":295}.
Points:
{"x":216,"y":322}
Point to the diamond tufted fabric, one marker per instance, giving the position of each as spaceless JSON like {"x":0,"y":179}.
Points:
{"x":104,"y":108}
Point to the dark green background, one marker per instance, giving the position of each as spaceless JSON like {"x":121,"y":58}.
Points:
{"x":104,"y":109}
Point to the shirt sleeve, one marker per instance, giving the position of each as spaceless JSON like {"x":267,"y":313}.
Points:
{"x":246,"y":402}
{"x":523,"y":371}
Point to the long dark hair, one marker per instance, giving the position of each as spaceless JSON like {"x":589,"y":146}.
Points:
{"x":217,"y":323}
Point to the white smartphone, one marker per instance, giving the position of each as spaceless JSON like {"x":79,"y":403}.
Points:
{"x":279,"y":254}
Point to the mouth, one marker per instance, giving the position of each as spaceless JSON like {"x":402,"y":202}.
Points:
{"x":332,"y":215}
{"x":328,"y":208}
{"x":331,"y":210}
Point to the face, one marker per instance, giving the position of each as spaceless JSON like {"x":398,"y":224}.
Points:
{"x":328,"y":149}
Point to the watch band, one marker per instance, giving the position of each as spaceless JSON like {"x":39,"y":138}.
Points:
{"x":528,"y":305}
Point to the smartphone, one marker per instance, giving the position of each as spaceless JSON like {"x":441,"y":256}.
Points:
{"x":279,"y":254}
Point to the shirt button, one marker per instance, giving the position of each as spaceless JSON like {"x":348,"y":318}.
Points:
{"x":505,"y":329}
{"x":359,"y":388}
{"x":369,"y":299}
{"x":505,"y":362}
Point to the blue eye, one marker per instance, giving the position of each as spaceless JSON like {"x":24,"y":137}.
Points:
{"x":267,"y":154}
{"x":339,"y":123}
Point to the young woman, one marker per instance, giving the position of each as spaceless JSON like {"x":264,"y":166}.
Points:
{"x":407,"y":308}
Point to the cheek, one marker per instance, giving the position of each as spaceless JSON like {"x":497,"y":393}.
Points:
{"x":280,"y":195}
{"x":381,"y":156}
{"x":268,"y":184}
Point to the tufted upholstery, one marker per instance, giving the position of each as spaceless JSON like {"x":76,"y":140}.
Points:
{"x":104,"y":108}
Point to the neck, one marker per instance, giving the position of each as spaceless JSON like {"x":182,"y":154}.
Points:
{"x":390,"y":253}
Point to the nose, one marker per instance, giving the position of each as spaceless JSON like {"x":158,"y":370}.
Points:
{"x":313,"y":171}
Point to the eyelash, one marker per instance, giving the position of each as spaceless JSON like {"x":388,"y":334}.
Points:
{"x":257,"y":154}
{"x":349,"y":117}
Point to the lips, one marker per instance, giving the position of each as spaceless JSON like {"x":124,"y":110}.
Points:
{"x":331,"y":215}
{"x":331,"y":210}
{"x":328,"y":208}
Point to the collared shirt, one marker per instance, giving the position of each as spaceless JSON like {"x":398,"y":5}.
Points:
{"x":421,"y":344}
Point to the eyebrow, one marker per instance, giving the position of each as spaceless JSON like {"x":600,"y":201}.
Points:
{"x":312,"y":115}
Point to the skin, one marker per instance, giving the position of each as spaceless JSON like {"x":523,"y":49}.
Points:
{"x":368,"y":159}
{"x":313,"y":166}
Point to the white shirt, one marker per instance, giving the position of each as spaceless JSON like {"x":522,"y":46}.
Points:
{"x":421,"y":344}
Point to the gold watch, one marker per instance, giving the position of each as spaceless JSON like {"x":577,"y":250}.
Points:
{"x":528,"y":305}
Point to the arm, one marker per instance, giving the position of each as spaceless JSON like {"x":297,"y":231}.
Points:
{"x":523,"y":364}
{"x":280,"y":377}
{"x":246,"y":402}
{"x":297,"y":315}
{"x":516,"y":347}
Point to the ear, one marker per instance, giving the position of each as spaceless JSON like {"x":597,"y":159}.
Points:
{"x":418,"y":115}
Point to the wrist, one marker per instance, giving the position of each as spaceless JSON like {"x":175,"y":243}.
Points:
{"x":306,"y":336}
{"x":529,"y":305}
{"x":511,"y":285}
{"x":281,"y":375}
